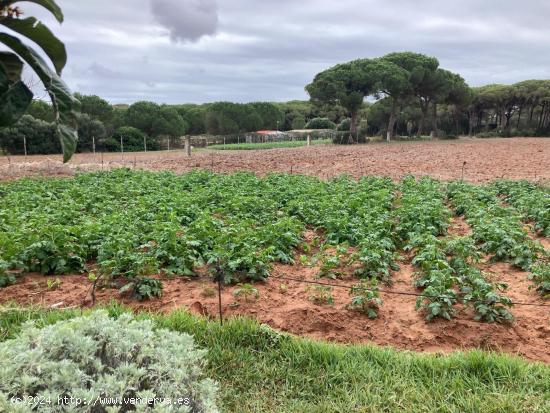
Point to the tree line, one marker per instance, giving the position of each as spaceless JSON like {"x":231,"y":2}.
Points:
{"x":414,"y":96}
{"x":153,"y":126}
{"x":399,"y":94}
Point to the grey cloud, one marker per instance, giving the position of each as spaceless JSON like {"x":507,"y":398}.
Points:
{"x":269,"y":50}
{"x":186,"y":19}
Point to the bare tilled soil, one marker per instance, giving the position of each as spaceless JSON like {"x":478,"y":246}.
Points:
{"x":287,"y":305}
{"x":486,"y":159}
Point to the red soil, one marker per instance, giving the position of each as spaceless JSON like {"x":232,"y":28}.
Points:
{"x":486,"y":159}
{"x":286,"y":305}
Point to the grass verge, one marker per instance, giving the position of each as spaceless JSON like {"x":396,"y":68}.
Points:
{"x":267,"y":145}
{"x":260,"y":370}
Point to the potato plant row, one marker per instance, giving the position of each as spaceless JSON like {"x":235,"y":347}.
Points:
{"x":127,"y":224}
{"x":498,"y":230}
{"x":447,"y":272}
{"x":531,"y":200}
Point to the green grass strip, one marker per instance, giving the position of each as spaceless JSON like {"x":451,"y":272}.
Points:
{"x":268,"y":145}
{"x":260,"y":370}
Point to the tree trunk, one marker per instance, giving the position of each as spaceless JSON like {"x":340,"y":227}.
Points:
{"x":434,"y":120}
{"x":470,"y":123}
{"x":519,"y":116}
{"x":545,"y":118}
{"x":423,"y":116}
{"x":541,"y":114}
{"x":391,"y":123}
{"x":353,"y":127}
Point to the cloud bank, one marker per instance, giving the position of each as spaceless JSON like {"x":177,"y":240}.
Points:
{"x":175,"y":51}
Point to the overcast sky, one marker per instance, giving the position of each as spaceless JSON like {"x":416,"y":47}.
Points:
{"x":174,"y":51}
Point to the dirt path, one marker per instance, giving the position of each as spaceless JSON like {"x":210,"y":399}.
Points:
{"x":486,"y":159}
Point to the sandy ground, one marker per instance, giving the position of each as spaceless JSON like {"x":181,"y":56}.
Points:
{"x":287,"y":306}
{"x":486,"y":159}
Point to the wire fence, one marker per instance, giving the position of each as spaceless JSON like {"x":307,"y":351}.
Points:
{"x":220,"y":276}
{"x":394,"y":292}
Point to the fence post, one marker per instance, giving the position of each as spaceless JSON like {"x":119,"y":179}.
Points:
{"x":122,"y":147}
{"x":25,"y":146}
{"x":308,"y":140}
{"x":219,"y":276}
{"x":93,"y":146}
{"x":188,"y":145}
{"x":145,"y":143}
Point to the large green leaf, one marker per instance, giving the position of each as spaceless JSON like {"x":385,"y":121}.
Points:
{"x":64,"y":103}
{"x":34,"y":30}
{"x":15,"y":98}
{"x":50,"y":5}
{"x":12,"y":65}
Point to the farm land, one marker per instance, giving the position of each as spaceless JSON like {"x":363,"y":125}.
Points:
{"x":419,"y":263}
{"x":486,"y":160}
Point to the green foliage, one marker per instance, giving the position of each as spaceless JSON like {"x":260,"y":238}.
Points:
{"x":95,"y":107}
{"x":6,"y":278}
{"x":531,"y":200}
{"x":95,"y":358}
{"x":40,"y":137}
{"x":60,"y":254}
{"x":267,"y":145}
{"x":488,"y":304}
{"x":321,"y":295}
{"x":41,"y":110}
{"x":497,"y":229}
{"x":53,"y":283}
{"x":366,"y":298}
{"x":331,"y":261}
{"x":246,"y":292}
{"x":155,"y":120}
{"x":135,"y":224}
{"x":438,"y":300}
{"x":143,"y":288}
{"x":347,"y":85}
{"x":320,"y":123}
{"x":344,"y":126}
{"x":540,"y":275}
{"x":226,"y":118}
{"x":15,"y":95}
{"x":250,"y":361}
{"x":88,"y":130}
{"x":133,"y":140}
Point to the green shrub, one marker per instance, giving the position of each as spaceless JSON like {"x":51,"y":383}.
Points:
{"x":94,"y":358}
{"x":5,"y":277}
{"x":132,"y":140}
{"x":320,"y":123}
{"x":144,"y":288}
{"x":345,"y":125}
{"x":492,"y":134}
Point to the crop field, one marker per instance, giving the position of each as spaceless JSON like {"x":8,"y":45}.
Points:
{"x":268,"y":145}
{"x":416,"y":264}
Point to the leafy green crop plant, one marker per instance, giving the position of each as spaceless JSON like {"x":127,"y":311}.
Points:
{"x":365,"y":298}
